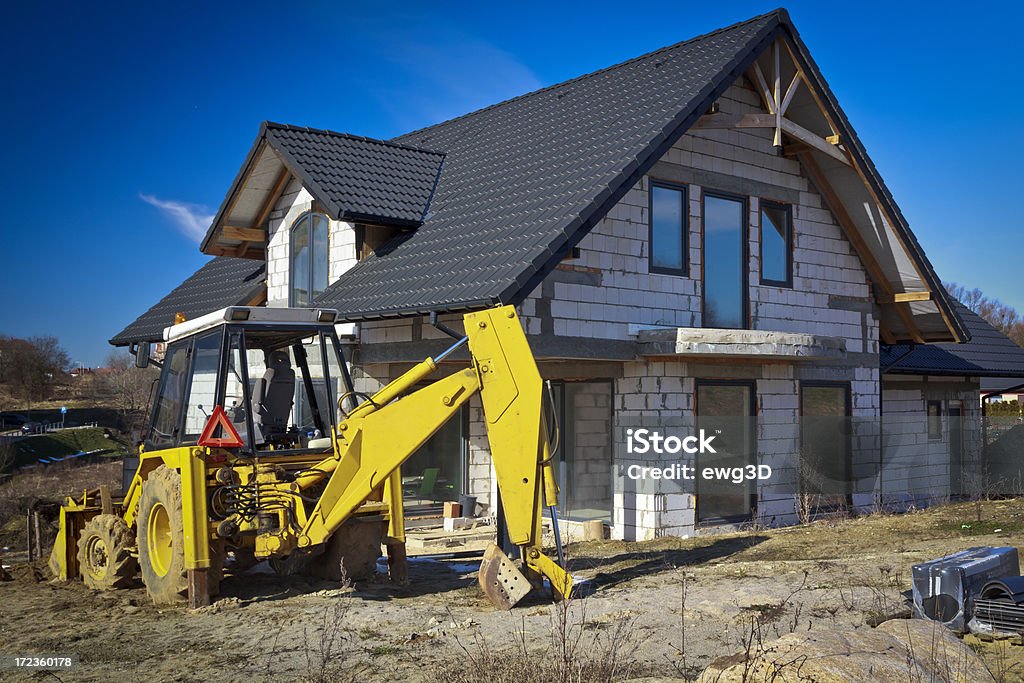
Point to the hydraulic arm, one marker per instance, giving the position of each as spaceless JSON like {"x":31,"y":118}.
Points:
{"x":384,"y":431}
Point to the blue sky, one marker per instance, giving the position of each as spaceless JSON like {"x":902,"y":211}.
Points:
{"x":125,"y":123}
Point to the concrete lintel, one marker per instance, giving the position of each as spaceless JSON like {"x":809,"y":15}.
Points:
{"x":758,"y":344}
{"x":544,"y":346}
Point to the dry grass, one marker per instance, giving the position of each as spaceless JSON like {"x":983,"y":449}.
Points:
{"x":48,"y":485}
{"x":577,"y":650}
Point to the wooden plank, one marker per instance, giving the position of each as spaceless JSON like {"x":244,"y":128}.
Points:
{"x":777,"y":139}
{"x":885,"y":334}
{"x":812,"y":139}
{"x":235,"y":232}
{"x":766,"y":93}
{"x":905,"y":297}
{"x":908,"y":320}
{"x":790,"y":91}
{"x":813,"y":91}
{"x":720,"y":121}
{"x":275,"y":194}
{"x":268,"y":205}
{"x":717,"y":121}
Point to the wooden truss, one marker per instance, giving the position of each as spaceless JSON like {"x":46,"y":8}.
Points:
{"x":799,"y":142}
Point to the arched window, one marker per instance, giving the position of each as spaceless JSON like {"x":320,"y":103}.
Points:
{"x":308,"y":265}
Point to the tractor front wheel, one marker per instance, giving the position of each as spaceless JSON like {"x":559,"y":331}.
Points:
{"x":161,"y":538}
{"x":104,"y":553}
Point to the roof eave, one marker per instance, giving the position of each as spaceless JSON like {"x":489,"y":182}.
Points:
{"x":858,"y":151}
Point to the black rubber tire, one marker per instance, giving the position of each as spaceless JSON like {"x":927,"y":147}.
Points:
{"x":162,"y":558}
{"x":105,"y":560}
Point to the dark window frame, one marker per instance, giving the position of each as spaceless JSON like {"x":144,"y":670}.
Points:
{"x":307,"y":220}
{"x":847,"y":386}
{"x":685,"y":213}
{"x":744,"y":201}
{"x":755,"y":416}
{"x":788,"y":209}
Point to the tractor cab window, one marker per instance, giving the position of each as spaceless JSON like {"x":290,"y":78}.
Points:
{"x":163,"y":432}
{"x":202,"y":390}
{"x":291,"y":394}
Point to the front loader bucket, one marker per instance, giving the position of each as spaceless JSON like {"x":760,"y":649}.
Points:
{"x":501,"y":580}
{"x":63,"y":558}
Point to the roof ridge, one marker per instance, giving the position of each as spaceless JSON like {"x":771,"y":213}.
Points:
{"x":780,"y":12}
{"x":273,"y":125}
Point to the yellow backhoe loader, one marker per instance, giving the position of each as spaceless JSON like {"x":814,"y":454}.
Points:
{"x":259,"y":447}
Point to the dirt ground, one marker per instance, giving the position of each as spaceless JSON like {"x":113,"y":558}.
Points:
{"x":666,"y":607}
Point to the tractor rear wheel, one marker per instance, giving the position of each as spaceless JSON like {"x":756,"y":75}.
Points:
{"x":161,"y":538}
{"x":104,"y":553}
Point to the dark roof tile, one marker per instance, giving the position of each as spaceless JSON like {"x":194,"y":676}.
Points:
{"x":223,"y":281}
{"x":360,"y":178}
{"x":989,"y":353}
{"x":524,"y":179}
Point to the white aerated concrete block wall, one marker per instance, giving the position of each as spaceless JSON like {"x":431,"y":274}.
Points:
{"x":295,"y":201}
{"x":916,"y":468}
{"x":617,"y":250}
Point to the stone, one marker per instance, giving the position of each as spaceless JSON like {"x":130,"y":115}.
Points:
{"x":898,"y":650}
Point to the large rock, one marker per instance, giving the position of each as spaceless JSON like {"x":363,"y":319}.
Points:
{"x":897,"y":651}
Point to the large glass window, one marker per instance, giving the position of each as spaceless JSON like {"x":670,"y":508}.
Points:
{"x":309,"y":258}
{"x":583,"y":455}
{"x":435,"y":472}
{"x":725,"y":262}
{"x":825,"y":463}
{"x":776,"y":244}
{"x":668,"y":238}
{"x":726,"y":409}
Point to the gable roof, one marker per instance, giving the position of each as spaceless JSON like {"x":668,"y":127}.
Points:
{"x":989,"y":353}
{"x":223,"y":281}
{"x":526,"y":179}
{"x":354,"y":178}
{"x":523,"y":181}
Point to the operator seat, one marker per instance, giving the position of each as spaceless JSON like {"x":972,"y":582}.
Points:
{"x":273,"y":395}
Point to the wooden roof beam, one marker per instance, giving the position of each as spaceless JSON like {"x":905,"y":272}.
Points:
{"x":268,"y":205}
{"x":849,"y":228}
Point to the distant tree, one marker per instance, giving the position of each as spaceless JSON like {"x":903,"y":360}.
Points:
{"x":1001,"y":316}
{"x":127,"y":387}
{"x":31,"y":368}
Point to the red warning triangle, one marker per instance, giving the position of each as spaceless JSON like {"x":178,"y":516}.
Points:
{"x":229,"y":437}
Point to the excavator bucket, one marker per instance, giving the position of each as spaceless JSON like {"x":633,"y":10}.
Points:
{"x":501,"y":580}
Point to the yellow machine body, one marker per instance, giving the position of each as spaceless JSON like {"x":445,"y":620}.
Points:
{"x":309,"y":496}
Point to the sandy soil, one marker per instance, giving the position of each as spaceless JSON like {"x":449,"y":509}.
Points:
{"x":827,"y":575}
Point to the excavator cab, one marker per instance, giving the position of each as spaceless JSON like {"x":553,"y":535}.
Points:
{"x":277,"y":381}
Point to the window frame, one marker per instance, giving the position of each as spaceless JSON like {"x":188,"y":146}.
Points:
{"x":755,"y":415}
{"x":308,"y":218}
{"x":684,"y":192}
{"x":847,"y":387}
{"x":744,"y":201}
{"x":788,"y":209}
